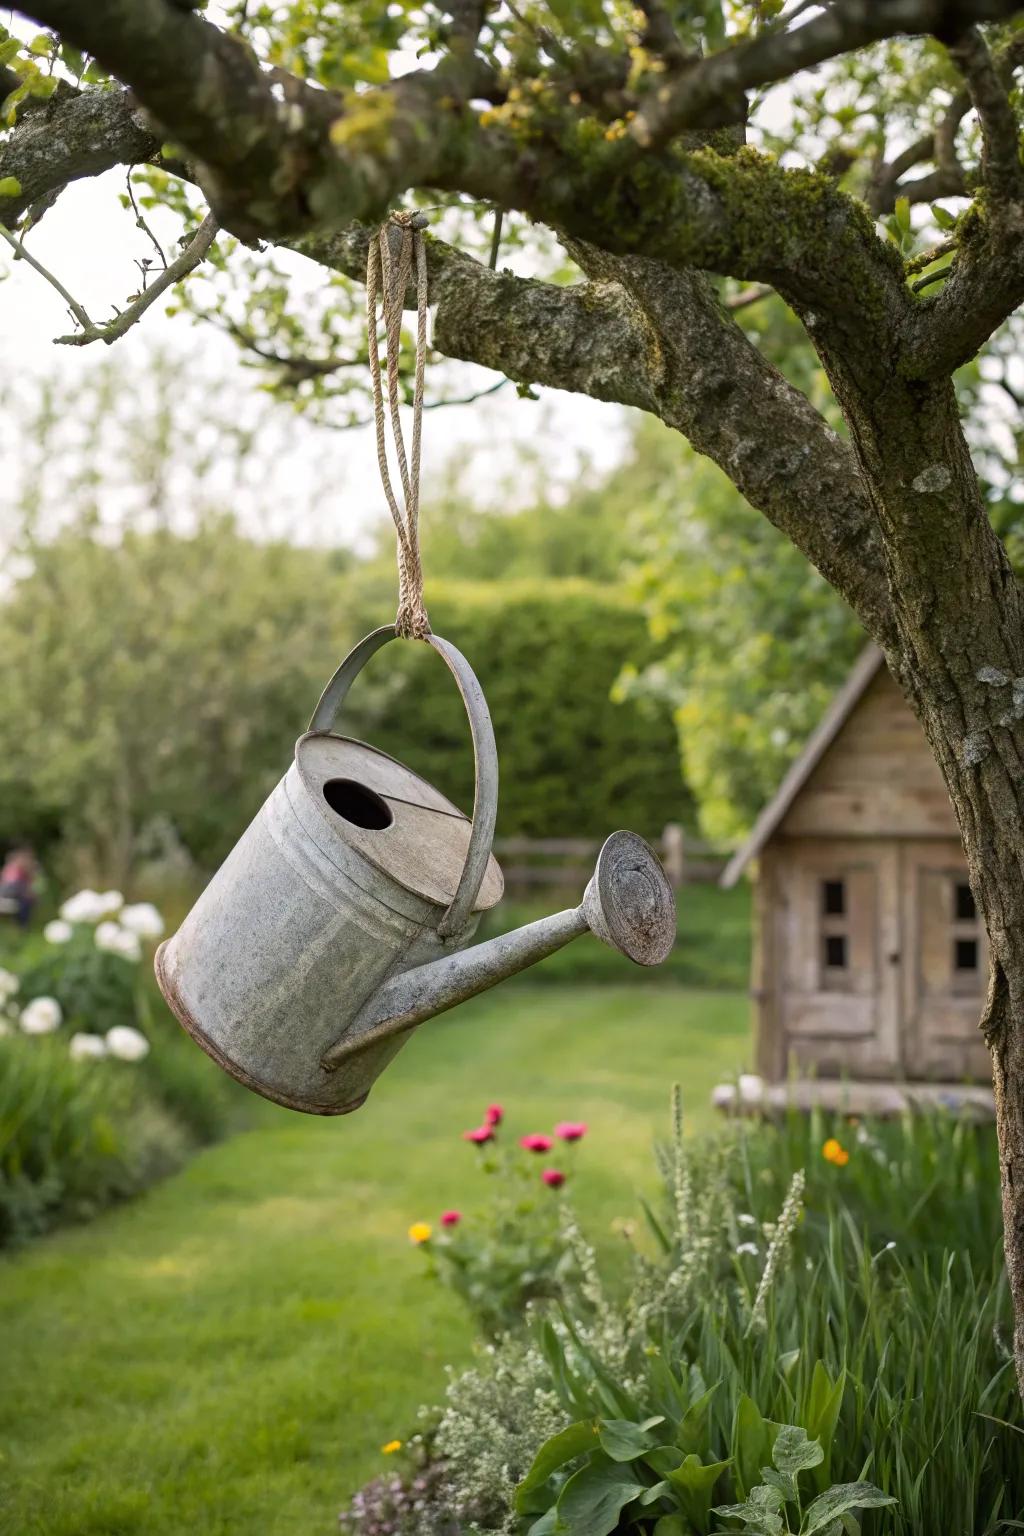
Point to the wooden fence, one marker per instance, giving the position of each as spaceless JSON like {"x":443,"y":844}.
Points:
{"x":529,"y":862}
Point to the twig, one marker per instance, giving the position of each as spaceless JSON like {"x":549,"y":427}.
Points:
{"x":140,"y":222}
{"x":932,"y":277}
{"x":925,"y":259}
{"x":749,"y":296}
{"x":190,"y":258}
{"x":1000,"y":135}
{"x":496,"y":239}
{"x":428,"y":405}
{"x":22,"y":254}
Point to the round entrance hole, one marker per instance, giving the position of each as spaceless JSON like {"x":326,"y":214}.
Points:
{"x":353,"y":802}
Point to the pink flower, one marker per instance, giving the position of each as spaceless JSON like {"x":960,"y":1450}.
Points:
{"x":494,"y":1114}
{"x":479,"y":1134}
{"x":536,"y":1143}
{"x":450,"y":1218}
{"x":571,"y":1130}
{"x":552,"y":1178}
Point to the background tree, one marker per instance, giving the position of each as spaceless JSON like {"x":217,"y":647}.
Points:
{"x":620,"y":131}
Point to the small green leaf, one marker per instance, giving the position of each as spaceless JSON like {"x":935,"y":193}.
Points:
{"x":41,"y":45}
{"x":623,"y":1440}
{"x":760,"y":1512}
{"x":942,"y":216}
{"x":9,"y":50}
{"x":693,"y":1431}
{"x":694,"y":1483}
{"x":10,"y":186}
{"x":836,"y":1501}
{"x":793,"y":1452}
{"x":670,"y":1525}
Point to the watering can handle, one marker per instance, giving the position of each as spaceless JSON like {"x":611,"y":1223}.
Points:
{"x":485,"y":798}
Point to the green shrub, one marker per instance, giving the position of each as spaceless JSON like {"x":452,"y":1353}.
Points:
{"x":858,"y":1310}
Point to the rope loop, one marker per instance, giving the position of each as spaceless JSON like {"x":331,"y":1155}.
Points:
{"x":395,"y":251}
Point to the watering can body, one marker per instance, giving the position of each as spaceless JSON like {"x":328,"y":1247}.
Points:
{"x":338,"y":921}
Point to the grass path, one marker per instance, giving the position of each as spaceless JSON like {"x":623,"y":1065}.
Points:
{"x":225,"y":1356}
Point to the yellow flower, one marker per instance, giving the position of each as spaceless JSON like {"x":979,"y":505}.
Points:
{"x":419,"y":1232}
{"x":834,"y":1152}
{"x":391,"y":1447}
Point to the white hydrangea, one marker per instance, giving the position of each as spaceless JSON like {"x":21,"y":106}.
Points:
{"x":751,"y":1088}
{"x":142,"y":918}
{"x":41,"y":1016}
{"x":118,"y":941}
{"x":85,"y":1047}
{"x":58,"y":932}
{"x":8,"y":985}
{"x":89,"y":906}
{"x":126,"y":1043}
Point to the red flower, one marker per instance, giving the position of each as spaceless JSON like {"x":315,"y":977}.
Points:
{"x":571,"y":1130}
{"x":536,"y":1143}
{"x":494,"y":1114}
{"x":450,"y":1218}
{"x":479,"y":1134}
{"x":552,"y":1178}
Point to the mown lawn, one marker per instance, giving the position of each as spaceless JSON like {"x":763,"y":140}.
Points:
{"x":225,"y":1356}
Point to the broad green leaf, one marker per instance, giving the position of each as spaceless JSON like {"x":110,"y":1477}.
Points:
{"x":670,"y":1525}
{"x":752,"y":1440}
{"x":694,"y":1483}
{"x":942,"y":216}
{"x":693,"y":1431}
{"x":828,"y":1506}
{"x":623,"y":1440}
{"x":594,"y":1497}
{"x":545,"y":1526}
{"x":822,"y":1415}
{"x":655,"y":1492}
{"x":793,"y":1452}
{"x":575,"y":1440}
{"x":10,"y":186}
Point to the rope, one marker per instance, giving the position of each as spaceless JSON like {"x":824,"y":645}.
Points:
{"x":389,"y":273}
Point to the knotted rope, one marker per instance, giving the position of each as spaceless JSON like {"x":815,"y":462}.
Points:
{"x":389,"y":273}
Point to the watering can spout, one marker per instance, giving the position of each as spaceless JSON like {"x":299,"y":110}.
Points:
{"x":628,"y":904}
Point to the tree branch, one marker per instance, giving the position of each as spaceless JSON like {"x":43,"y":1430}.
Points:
{"x":1000,"y":160}
{"x":21,"y":253}
{"x":194,"y":253}
{"x":708,"y":96}
{"x":643,"y":335}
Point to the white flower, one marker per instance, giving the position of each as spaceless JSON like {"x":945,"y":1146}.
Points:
{"x":750,"y":1248}
{"x":143,"y":919}
{"x":744,"y":1219}
{"x":127,"y":1043}
{"x":41,"y":1017}
{"x":87,"y":1047}
{"x":118,"y":941}
{"x":82,"y":907}
{"x":58,"y":932}
{"x":8,"y":985}
{"x":89,"y":906}
{"x":723,"y":1095}
{"x":751,"y":1087}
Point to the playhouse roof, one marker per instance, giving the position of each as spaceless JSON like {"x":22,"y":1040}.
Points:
{"x":818,"y":744}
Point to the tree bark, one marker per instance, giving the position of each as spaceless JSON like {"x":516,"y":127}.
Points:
{"x":958,"y":613}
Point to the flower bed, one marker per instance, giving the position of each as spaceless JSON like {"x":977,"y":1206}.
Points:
{"x":815,"y":1339}
{"x":99,"y":1095}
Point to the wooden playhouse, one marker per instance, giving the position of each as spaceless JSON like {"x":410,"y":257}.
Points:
{"x":869,"y":958}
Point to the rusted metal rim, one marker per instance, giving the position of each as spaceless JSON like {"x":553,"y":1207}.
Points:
{"x":191,"y":1027}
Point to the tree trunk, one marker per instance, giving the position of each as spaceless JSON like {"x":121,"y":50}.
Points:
{"x":959,"y":614}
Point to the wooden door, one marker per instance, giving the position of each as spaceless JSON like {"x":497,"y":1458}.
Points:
{"x":945,"y":970}
{"x":838,"y":940}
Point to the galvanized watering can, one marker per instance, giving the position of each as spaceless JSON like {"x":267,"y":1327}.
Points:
{"x":335,"y":925}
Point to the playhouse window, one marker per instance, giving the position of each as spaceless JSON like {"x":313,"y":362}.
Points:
{"x":833,"y":898}
{"x":965,"y":954}
{"x":835,"y":951}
